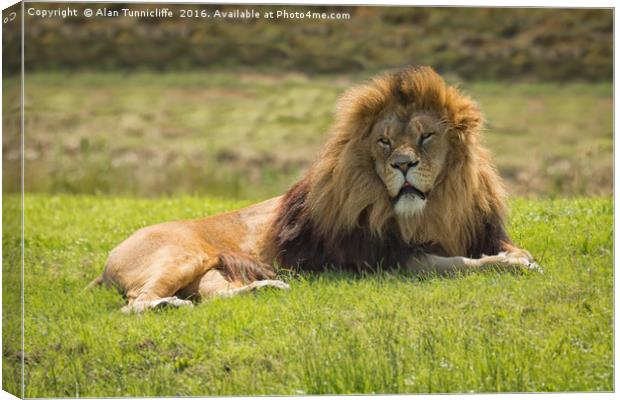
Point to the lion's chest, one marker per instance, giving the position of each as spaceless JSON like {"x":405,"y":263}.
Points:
{"x":356,"y":251}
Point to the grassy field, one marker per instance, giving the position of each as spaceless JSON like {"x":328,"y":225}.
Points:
{"x":248,"y":135}
{"x":332,"y":333}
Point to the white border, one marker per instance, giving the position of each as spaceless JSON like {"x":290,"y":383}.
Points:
{"x":452,"y":3}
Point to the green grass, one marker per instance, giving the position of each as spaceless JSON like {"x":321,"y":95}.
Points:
{"x":332,"y":333}
{"x":249,"y":135}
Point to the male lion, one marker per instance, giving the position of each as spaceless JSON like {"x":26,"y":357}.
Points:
{"x":403,"y":180}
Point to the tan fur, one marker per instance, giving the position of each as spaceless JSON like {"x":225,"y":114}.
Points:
{"x":354,"y":176}
{"x":471,"y":180}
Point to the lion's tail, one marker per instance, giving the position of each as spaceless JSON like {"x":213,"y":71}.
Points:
{"x":244,"y":268}
{"x":95,"y":282}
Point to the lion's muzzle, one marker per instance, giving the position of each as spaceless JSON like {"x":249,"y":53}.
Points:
{"x":407,"y":189}
{"x":410,"y":189}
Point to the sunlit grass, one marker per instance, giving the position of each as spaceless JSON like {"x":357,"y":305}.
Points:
{"x":332,"y":333}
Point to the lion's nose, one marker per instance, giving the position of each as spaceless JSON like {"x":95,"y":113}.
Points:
{"x":405,"y":165}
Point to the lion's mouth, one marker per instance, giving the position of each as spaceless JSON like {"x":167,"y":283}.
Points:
{"x":410,"y":189}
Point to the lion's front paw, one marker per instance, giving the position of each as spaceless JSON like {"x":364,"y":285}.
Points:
{"x":514,"y":263}
{"x":528,"y":262}
{"x":169,"y":302}
{"x":534,"y":266}
{"x":280,"y":285}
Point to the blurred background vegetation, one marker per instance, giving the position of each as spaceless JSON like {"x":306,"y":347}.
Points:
{"x":472,"y":43}
{"x":148,"y":107}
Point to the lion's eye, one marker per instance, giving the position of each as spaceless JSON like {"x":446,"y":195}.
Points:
{"x":426,"y":136}
{"x":384,"y":142}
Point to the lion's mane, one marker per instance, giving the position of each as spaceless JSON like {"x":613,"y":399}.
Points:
{"x":339,"y":213}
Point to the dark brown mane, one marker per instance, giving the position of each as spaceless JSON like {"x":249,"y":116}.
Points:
{"x":300,"y":244}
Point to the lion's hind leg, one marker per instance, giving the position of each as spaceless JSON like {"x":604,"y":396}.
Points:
{"x":179,"y":279}
{"x":159,"y":285}
{"x":141,"y":305}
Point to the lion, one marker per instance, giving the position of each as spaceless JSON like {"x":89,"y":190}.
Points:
{"x":403,"y":181}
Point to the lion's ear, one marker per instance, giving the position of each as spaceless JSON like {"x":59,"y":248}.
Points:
{"x":358,"y":107}
{"x":463,"y":113}
{"x":366,"y":99}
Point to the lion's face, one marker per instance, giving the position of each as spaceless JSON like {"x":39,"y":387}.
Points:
{"x":409,"y":152}
{"x":406,"y":145}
